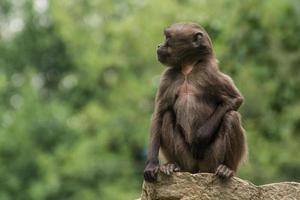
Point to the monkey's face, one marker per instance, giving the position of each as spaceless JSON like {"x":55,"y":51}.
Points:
{"x":184,"y":43}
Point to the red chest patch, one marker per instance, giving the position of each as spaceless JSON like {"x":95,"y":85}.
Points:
{"x":186,"y":88}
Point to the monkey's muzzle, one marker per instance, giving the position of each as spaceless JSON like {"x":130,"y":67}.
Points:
{"x":162,"y":54}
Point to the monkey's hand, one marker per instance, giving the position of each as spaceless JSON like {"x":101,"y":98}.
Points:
{"x":150,"y":172}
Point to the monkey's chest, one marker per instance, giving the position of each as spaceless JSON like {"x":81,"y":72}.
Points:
{"x":187,"y":99}
{"x":187,"y":95}
{"x":186,"y":89}
{"x":190,"y":104}
{"x":191,"y":107}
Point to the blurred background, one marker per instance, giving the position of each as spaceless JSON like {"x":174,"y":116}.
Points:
{"x":78,"y":80}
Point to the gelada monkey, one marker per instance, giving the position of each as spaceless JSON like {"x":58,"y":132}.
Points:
{"x":195,"y":123}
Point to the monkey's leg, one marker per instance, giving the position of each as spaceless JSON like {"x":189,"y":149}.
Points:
{"x":174,"y":147}
{"x":167,"y":136}
{"x":233,"y":136}
{"x":168,"y":144}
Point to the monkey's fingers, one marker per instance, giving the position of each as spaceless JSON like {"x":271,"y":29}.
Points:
{"x":220,"y":169}
{"x":177,"y":168}
{"x":224,"y":172}
{"x":148,"y":177}
{"x":163,"y":169}
{"x":154,"y":173}
{"x":229,"y":173}
{"x":169,"y":168}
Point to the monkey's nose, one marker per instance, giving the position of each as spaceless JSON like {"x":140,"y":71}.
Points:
{"x":159,"y":45}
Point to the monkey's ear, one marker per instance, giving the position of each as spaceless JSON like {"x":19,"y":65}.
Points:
{"x":197,"y":37}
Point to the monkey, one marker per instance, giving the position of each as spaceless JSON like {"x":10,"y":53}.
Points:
{"x":195,"y":124}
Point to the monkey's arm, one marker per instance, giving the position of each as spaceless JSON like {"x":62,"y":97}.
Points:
{"x":161,"y":105}
{"x":152,"y":164}
{"x":229,"y":95}
{"x":230,"y":99}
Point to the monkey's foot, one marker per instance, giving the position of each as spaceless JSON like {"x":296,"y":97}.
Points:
{"x":169,"y":168}
{"x":224,"y":172}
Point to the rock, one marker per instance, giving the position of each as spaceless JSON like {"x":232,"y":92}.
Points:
{"x":186,"y":186}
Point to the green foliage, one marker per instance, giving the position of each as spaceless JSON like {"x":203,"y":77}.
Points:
{"x":78,"y":80}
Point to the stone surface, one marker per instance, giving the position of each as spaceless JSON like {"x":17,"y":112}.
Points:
{"x":186,"y":186}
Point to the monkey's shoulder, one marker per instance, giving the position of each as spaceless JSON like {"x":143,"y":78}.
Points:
{"x":214,"y":78}
{"x":225,"y":77}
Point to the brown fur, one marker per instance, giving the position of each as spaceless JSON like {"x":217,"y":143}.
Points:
{"x":195,"y":123}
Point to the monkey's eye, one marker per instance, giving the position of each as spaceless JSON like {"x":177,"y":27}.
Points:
{"x":167,"y":42}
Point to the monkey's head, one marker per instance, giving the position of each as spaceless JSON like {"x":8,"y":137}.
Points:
{"x":185,"y":43}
